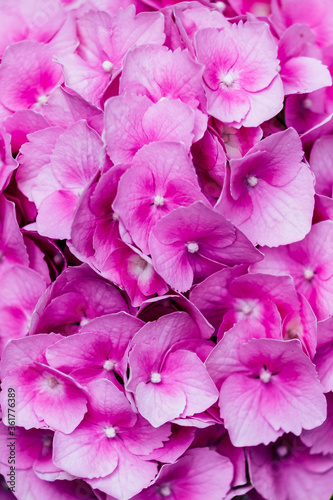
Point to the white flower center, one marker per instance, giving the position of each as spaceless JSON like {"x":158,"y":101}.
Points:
{"x":110,"y":432}
{"x":155,"y":378}
{"x":252,"y":180}
{"x":308,"y":274}
{"x":84,"y":321}
{"x":109,"y":365}
{"x":192,"y":247}
{"x":42,"y":99}
{"x":265,"y":375}
{"x":227,"y":80}
{"x":158,"y":201}
{"x":115,"y":216}
{"x":220,"y":5}
{"x":107,"y":66}
{"x":282,"y":451}
{"x":247,"y":309}
{"x":165,"y":491}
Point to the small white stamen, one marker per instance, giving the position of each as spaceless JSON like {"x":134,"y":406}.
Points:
{"x":109,"y":365}
{"x":165,"y":491}
{"x":278,"y":68}
{"x":220,"y":5}
{"x":159,"y":201}
{"x":155,"y":378}
{"x":107,"y":66}
{"x":265,"y":376}
{"x":247,"y":309}
{"x":115,"y":216}
{"x":42,"y":99}
{"x":282,"y":451}
{"x":308,"y":274}
{"x":227,"y":80}
{"x":307,"y":104}
{"x":84,"y":321}
{"x":110,"y":432}
{"x":192,"y":247}
{"x":252,"y":180}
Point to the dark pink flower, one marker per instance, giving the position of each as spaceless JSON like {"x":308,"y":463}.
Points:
{"x":195,"y":241}
{"x":242,"y":84}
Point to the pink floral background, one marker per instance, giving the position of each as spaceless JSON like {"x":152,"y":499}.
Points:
{"x":166,"y":249}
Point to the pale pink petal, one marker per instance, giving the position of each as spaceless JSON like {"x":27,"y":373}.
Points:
{"x":55,"y":214}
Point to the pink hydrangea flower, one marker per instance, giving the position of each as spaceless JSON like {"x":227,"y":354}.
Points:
{"x":303,"y":112}
{"x":196,"y":241}
{"x":242,"y":84}
{"x":75,"y":159}
{"x":28,"y":75}
{"x":95,"y":228}
{"x":288,"y":469}
{"x":134,"y":272}
{"x":20,"y":290}
{"x":46,"y":398}
{"x":156,"y":72}
{"x":64,"y":108}
{"x":241,"y":298}
{"x":133,"y":121}
{"x":270,"y":188}
{"x":98,"y":351}
{"x":317,"y":16}
{"x":200,"y":472}
{"x":156,"y":307}
{"x":168,"y":381}
{"x":255,"y":375}
{"x":104,"y":41}
{"x":300,"y":72}
{"x":110,"y":440}
{"x":165,"y":249}
{"x":30,"y":20}
{"x":55,"y":179}
{"x":191,"y":17}
{"x":77,"y":296}
{"x":33,"y":450}
{"x":161,"y":179}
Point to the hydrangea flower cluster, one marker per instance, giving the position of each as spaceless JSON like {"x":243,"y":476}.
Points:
{"x":166,"y":249}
